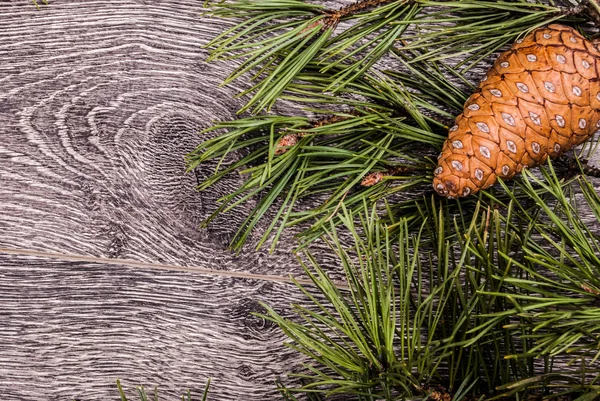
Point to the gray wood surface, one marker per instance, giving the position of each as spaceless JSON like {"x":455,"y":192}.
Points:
{"x":99,"y":103}
{"x":103,"y":271}
{"x":69,"y":330}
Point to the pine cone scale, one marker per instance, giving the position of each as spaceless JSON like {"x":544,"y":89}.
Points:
{"x":523,"y":87}
{"x":540,"y":98}
{"x":577,"y":89}
{"x":506,"y":118}
{"x":550,"y":86}
{"x":508,"y":63}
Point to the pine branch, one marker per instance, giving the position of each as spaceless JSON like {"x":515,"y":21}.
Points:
{"x":276,"y":52}
{"x":352,"y":150}
{"x":356,"y":50}
{"x":416,"y":102}
{"x":474,"y":29}
{"x":338,"y":152}
{"x":555,"y":288}
{"x":499,"y":301}
{"x":389,"y":337}
{"x":328,"y":159}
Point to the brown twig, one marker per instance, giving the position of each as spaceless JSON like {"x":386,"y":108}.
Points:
{"x":287,"y":141}
{"x":335,"y":16}
{"x":322,"y":22}
{"x":590,"y":289}
{"x":378,"y":176}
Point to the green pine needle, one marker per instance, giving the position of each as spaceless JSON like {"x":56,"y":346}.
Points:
{"x":474,"y":298}
{"x":495,"y":301}
{"x":328,"y":161}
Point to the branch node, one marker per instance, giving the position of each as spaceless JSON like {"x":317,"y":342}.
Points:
{"x":335,"y":16}
{"x":378,"y":176}
{"x":288,"y":141}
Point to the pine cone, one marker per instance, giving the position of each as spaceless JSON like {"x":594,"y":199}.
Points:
{"x":541,"y":98}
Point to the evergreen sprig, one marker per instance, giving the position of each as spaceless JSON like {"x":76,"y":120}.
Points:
{"x":561,"y":259}
{"x":468,"y":31}
{"x":392,"y":336}
{"x":389,"y":123}
{"x":329,"y":160}
{"x":490,"y":297}
{"x":277,"y":39}
{"x":333,"y":74}
{"x":486,"y":312}
{"x":384,"y":339}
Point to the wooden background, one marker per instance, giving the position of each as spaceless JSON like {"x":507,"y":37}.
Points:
{"x":103,"y":271}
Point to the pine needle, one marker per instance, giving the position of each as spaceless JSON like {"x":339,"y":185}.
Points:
{"x":449,"y":299}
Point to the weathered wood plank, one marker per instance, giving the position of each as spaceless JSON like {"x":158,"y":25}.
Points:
{"x":69,"y":330}
{"x":99,"y":102}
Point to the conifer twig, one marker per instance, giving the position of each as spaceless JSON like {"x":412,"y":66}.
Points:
{"x":412,"y":103}
{"x":378,"y":176}
{"x":335,"y":16}
{"x":288,"y":140}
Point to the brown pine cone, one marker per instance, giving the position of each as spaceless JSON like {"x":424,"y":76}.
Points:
{"x":541,"y":98}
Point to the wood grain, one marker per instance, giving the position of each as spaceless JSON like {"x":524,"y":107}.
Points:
{"x":99,"y":102}
{"x":69,"y":330}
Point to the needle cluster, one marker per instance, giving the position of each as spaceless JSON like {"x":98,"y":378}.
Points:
{"x":496,"y":296}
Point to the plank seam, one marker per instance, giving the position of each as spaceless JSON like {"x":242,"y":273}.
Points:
{"x":65,"y":257}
